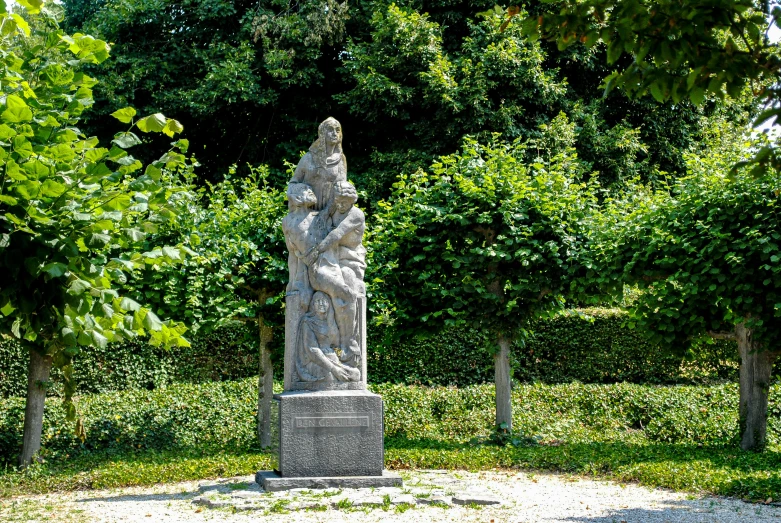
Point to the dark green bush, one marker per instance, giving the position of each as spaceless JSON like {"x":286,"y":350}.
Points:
{"x":592,"y":346}
{"x":229,"y":353}
{"x":595,"y":346}
{"x":593,"y":349}
{"x":220,"y":415}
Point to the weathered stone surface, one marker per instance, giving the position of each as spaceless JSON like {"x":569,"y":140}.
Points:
{"x":247,"y":494}
{"x":325,"y":314}
{"x":407,"y":499}
{"x":273,"y":482}
{"x":212,"y":503}
{"x":475,"y":499}
{"x":330,"y":433}
{"x":369,"y":501}
{"x":434,"y":500}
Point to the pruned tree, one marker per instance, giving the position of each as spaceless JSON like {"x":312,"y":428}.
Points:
{"x":238,"y":271}
{"x":706,"y":255}
{"x":486,"y":238}
{"x":73,"y":215}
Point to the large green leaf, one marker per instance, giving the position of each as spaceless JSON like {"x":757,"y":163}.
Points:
{"x":16,"y":110}
{"x":152,"y":123}
{"x":126,"y":140}
{"x":124,"y":115}
{"x":55,"y":269}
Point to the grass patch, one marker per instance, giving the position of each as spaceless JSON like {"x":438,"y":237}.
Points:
{"x":104,"y":470}
{"x":721,"y":470}
{"x":680,"y":437}
{"x":24,"y":510}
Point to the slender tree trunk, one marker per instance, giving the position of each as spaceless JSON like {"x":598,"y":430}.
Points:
{"x":755,"y":368}
{"x":37,"y":378}
{"x":504,"y":406}
{"x":265,"y":385}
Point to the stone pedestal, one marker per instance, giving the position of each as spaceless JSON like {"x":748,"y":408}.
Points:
{"x":330,"y":433}
{"x":329,"y":439}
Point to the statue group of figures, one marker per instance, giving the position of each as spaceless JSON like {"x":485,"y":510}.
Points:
{"x":326,"y":295}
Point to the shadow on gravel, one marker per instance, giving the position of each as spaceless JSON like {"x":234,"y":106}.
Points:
{"x":130,"y":498}
{"x":695,"y":511}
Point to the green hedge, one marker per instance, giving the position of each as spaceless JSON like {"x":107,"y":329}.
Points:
{"x":220,"y":415}
{"x":592,"y":349}
{"x":591,"y":346}
{"x":229,"y":353}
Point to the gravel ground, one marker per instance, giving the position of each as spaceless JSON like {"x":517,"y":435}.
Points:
{"x":427,"y":496}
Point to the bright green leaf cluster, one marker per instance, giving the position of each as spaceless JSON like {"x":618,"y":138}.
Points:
{"x":72,"y":213}
{"x":488,"y":237}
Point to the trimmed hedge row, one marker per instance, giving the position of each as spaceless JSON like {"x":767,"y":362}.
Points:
{"x":229,"y":353}
{"x":593,"y":349}
{"x":220,"y":415}
{"x":591,"y":346}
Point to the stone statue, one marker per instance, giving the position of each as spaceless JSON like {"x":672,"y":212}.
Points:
{"x":330,"y":425}
{"x":325,"y":349}
{"x":317,"y":359}
{"x":324,"y":164}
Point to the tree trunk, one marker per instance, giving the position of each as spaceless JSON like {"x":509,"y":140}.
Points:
{"x":755,"y":368}
{"x":265,"y":385}
{"x":37,"y":379}
{"x":504,"y":407}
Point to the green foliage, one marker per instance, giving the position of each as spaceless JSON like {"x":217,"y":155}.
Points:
{"x":705,"y":252}
{"x":224,"y":353}
{"x":407,"y":79}
{"x":210,"y":416}
{"x":487,"y":238}
{"x":238,"y":266}
{"x":598,"y":348}
{"x":677,"y":437}
{"x":679,"y":49}
{"x":71,"y":212}
{"x":732,"y":34}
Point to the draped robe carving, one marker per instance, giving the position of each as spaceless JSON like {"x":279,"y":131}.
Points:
{"x":327,"y":261}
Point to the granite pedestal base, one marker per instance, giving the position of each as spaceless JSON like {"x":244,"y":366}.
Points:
{"x":273,"y":482}
{"x":330,"y":434}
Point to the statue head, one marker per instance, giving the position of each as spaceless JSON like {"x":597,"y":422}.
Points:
{"x":330,"y":132}
{"x":300,"y":195}
{"x":345,"y":195}
{"x":321,"y":303}
{"x":328,"y":144}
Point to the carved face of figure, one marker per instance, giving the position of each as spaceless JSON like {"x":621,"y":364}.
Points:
{"x":343,"y":203}
{"x":301,"y":194}
{"x":345,"y":196}
{"x":321,"y":304}
{"x":333,"y":134}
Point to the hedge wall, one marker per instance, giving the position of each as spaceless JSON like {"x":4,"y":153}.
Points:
{"x":563,"y":349}
{"x":220,"y":415}
{"x":591,"y":346}
{"x":229,"y":353}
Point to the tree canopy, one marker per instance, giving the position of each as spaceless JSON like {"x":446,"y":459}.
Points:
{"x":251,"y":80}
{"x":73,"y":214}
{"x":489,"y":237}
{"x":678,"y":50}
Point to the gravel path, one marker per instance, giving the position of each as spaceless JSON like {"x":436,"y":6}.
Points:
{"x":427,"y":496}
